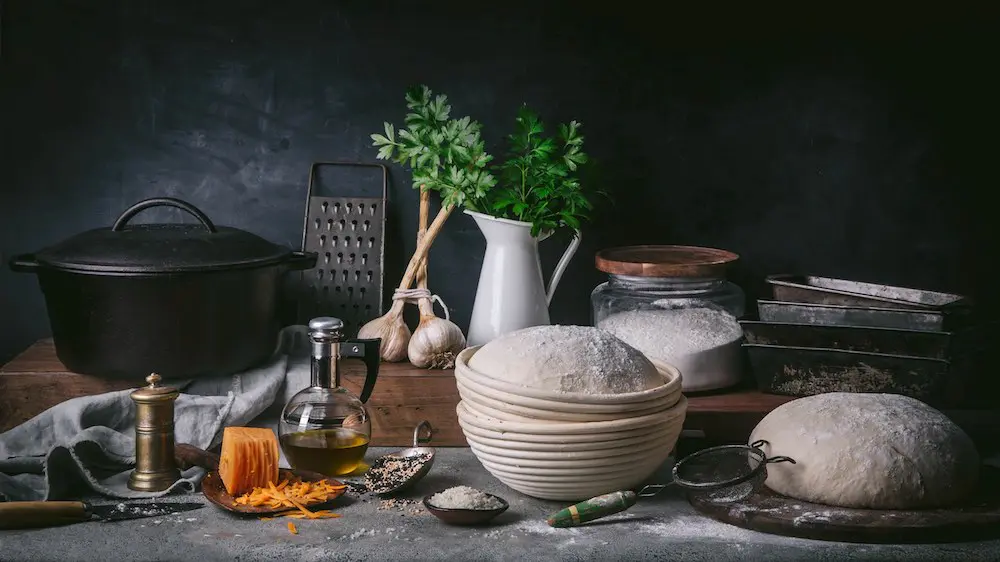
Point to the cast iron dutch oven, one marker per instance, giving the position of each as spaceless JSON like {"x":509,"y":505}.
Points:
{"x":181,"y":300}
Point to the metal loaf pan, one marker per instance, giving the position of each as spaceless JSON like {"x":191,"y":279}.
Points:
{"x":828,"y":290}
{"x":801,"y":371}
{"x":913,"y":343}
{"x":840,"y":315}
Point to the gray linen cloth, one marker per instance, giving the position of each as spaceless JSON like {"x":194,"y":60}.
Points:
{"x":86,"y":446}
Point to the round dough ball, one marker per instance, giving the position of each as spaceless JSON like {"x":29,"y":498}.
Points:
{"x":874,"y":451}
{"x":567,"y":359}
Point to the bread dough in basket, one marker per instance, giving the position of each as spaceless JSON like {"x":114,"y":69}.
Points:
{"x":567,"y":359}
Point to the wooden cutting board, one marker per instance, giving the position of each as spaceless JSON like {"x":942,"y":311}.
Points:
{"x":770,"y":512}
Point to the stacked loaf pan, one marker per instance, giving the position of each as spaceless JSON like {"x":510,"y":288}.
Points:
{"x":820,"y":334}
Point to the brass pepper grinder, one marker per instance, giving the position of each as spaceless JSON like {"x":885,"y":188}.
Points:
{"x":155,"y":467}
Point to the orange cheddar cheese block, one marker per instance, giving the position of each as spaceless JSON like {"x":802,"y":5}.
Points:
{"x":249,"y":459}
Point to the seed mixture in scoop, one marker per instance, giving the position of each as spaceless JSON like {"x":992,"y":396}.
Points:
{"x":390,"y":471}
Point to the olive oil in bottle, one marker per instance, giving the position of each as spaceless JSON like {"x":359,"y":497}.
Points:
{"x":324,"y":427}
{"x":333,"y":452}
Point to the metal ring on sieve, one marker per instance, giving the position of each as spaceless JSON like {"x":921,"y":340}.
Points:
{"x":754,"y":449}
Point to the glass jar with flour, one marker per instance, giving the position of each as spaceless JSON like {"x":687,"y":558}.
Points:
{"x":675,"y":305}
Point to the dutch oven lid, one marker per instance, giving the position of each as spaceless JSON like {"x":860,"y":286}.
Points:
{"x":161,"y":248}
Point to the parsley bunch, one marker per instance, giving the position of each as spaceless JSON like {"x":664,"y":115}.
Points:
{"x":539,"y":181}
{"x":445,"y":155}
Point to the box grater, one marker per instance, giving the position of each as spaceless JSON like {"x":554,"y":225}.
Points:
{"x":347,"y":233}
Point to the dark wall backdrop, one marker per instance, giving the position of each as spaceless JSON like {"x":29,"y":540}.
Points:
{"x":850,"y":144}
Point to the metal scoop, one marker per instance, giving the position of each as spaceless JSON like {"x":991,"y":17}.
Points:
{"x":383,"y":466}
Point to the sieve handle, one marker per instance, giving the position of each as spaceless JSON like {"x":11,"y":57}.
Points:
{"x":594,"y":508}
{"x":759,"y":445}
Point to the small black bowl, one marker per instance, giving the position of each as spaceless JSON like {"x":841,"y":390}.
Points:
{"x":465,"y":516}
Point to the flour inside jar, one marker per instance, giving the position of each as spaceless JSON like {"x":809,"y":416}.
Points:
{"x":704,"y":343}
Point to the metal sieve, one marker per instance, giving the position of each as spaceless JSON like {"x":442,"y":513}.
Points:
{"x":723,"y":474}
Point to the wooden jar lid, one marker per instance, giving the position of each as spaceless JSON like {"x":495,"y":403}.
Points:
{"x":664,"y":261}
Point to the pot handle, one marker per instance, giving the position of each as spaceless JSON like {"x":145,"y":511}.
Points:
{"x":24,"y":263}
{"x":557,"y":273}
{"x":368,"y":351}
{"x":300,"y":261}
{"x":163,"y":202}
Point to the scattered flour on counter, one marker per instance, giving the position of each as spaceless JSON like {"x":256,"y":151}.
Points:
{"x":703,"y":343}
{"x":677,"y":528}
{"x":541,"y":527}
{"x":494,"y":534}
{"x":682,"y":528}
{"x":566,"y":544}
{"x":695,"y":527}
{"x":569,"y":534}
{"x":701,"y":528}
{"x":361,"y":533}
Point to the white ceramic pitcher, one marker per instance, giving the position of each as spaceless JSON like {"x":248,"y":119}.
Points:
{"x":512,"y":293}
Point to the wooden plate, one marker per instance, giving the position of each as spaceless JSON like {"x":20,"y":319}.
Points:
{"x":770,"y":512}
{"x":215,"y":492}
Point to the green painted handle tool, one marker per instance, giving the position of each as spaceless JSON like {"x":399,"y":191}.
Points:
{"x":737,"y":473}
{"x":600,"y":506}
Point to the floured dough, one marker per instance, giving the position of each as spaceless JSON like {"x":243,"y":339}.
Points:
{"x":875,"y":451}
{"x":567,"y":359}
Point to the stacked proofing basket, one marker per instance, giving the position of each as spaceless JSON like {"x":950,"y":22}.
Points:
{"x":559,"y":445}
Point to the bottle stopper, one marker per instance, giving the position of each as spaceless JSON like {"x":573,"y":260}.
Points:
{"x":155,"y":467}
{"x":325,"y":333}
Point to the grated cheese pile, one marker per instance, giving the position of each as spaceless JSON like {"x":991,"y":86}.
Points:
{"x":294,"y":495}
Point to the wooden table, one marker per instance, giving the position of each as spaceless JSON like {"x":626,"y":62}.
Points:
{"x":35,"y":380}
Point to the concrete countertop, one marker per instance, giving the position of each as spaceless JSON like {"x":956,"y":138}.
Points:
{"x":663,"y":527}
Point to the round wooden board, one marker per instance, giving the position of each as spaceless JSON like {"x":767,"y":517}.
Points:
{"x":215,"y":492}
{"x":770,"y":512}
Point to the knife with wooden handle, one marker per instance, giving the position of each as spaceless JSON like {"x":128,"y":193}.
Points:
{"x":187,"y":456}
{"x":37,"y":514}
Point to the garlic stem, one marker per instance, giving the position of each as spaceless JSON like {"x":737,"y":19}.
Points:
{"x":390,"y":327}
{"x":425,"y":243}
{"x":436,"y":341}
{"x":424,"y":304}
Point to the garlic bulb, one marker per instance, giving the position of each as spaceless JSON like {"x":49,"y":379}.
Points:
{"x":435,"y":343}
{"x":390,"y":327}
{"x":393,"y":331}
